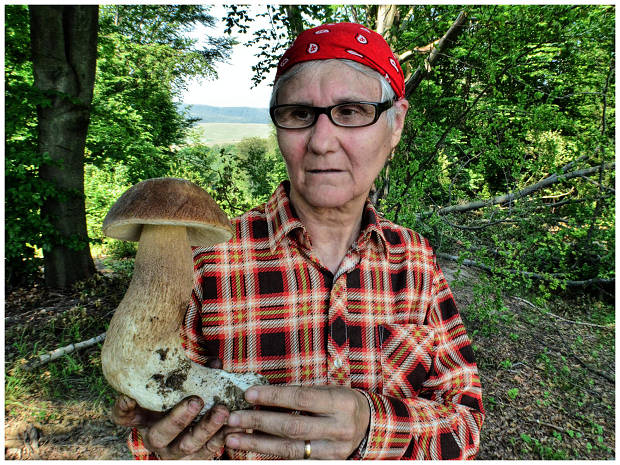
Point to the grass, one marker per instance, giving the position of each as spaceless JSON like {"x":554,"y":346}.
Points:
{"x":229,"y":133}
{"x":76,"y":375}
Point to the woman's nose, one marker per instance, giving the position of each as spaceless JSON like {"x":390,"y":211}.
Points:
{"x":322,"y":136}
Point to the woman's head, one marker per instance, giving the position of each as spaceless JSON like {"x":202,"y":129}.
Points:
{"x":330,"y":97}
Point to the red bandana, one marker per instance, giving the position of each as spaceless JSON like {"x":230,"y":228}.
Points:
{"x":350,"y":41}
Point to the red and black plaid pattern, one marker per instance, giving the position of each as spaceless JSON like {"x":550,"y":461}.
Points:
{"x":385,"y":324}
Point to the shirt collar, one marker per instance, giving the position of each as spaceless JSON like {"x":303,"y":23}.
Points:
{"x":281,"y":216}
{"x":282,"y":219}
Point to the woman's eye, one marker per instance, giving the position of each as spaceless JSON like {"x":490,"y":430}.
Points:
{"x":349,"y":110}
{"x":300,"y":113}
{"x":353,"y":113}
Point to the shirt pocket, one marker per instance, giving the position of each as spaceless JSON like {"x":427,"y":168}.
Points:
{"x":407,"y":352}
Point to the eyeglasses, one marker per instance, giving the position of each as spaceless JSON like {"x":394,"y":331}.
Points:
{"x":348,"y":115}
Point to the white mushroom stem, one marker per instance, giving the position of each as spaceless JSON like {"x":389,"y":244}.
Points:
{"x":142,"y":356}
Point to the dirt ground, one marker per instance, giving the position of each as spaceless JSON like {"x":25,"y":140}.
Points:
{"x":548,"y":384}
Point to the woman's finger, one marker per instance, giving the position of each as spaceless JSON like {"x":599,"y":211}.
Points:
{"x":283,"y":425}
{"x":291,"y":449}
{"x":163,"y":432}
{"x":315,"y":399}
{"x":198,"y":435}
{"x":215,"y":445}
{"x":127,"y":412}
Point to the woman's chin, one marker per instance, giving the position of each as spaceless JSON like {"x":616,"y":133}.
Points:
{"x":329,"y":197}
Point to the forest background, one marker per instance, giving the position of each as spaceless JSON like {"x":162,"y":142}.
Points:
{"x":506,"y":165}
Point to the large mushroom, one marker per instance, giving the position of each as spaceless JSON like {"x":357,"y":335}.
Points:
{"x":142,"y":355}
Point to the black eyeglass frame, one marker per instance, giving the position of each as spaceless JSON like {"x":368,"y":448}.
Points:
{"x":380,"y":107}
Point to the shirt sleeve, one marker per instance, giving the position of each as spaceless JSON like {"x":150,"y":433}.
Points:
{"x":444,"y":419}
{"x":136,"y":447}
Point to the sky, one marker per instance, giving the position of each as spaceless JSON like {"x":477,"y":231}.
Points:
{"x":233,"y":88}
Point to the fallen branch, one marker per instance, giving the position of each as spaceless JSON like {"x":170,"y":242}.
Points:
{"x":547,"y":312}
{"x":529,"y":274}
{"x":581,"y":362}
{"x":502,"y":199}
{"x":549,"y":425}
{"x":57,"y":353}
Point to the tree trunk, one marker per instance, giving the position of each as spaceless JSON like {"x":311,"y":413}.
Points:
{"x":295,"y":20}
{"x":64,"y":54}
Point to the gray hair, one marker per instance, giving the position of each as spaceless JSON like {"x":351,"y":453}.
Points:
{"x":387,"y":93}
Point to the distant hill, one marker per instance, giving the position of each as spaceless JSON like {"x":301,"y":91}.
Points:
{"x":208,"y":114}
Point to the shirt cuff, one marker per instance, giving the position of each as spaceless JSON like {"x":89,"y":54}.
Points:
{"x":136,"y":447}
{"x":389,"y":431}
{"x":361,"y":449}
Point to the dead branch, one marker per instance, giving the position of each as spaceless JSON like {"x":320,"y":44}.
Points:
{"x":502,"y":199}
{"x":547,"y":312}
{"x":422,"y":71}
{"x":529,"y":274}
{"x":581,"y":362}
{"x":477,"y":228}
{"x":559,"y":204}
{"x":57,"y":353}
{"x":426,"y":49}
{"x":600,"y":186}
{"x":549,"y":425}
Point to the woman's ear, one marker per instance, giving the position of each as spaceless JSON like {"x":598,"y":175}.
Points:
{"x":401,"y":106}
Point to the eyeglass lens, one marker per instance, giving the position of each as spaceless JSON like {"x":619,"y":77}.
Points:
{"x":346,"y":114}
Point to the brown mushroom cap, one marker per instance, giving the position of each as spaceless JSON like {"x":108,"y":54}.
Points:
{"x":168,"y":201}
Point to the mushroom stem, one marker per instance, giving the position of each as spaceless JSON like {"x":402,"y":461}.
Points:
{"x":160,"y":287}
{"x":142,"y":355}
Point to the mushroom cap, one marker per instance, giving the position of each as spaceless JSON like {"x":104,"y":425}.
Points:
{"x":168,"y":201}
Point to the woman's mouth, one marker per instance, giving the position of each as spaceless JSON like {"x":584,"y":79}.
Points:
{"x":324,"y":171}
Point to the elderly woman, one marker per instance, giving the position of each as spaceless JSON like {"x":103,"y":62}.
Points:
{"x":345,"y":313}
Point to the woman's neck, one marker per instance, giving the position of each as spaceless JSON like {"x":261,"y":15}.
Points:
{"x":332,"y":230}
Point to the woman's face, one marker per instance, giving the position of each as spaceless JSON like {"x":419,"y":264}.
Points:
{"x":331,"y":166}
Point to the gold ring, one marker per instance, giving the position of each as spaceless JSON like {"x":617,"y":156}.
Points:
{"x":307,"y":450}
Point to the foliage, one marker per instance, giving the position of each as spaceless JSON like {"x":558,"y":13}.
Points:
{"x":526,"y":91}
{"x":285,"y":21}
{"x":264,"y":167}
{"x":237,"y":176}
{"x":144,"y":60}
{"x":24,"y":191}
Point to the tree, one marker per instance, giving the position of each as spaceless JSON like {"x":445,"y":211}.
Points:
{"x":144,"y":59}
{"x":64,"y":53}
{"x":263,"y":165}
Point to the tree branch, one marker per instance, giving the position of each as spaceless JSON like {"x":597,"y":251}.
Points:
{"x":547,"y":312}
{"x":502,"y":199}
{"x":414,"y":81}
{"x":529,"y":274}
{"x":57,"y":353}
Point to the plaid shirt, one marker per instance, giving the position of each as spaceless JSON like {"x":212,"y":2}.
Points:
{"x":385,"y":324}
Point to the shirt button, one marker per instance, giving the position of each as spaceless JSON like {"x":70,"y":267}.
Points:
{"x":338,"y":363}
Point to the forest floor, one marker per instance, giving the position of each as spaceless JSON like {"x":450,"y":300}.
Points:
{"x":547,"y":375}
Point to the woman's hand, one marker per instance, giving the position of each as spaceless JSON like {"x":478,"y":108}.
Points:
{"x":172,"y":435}
{"x":336,"y":422}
